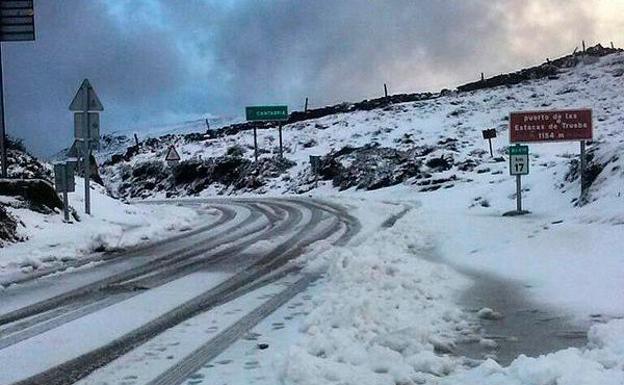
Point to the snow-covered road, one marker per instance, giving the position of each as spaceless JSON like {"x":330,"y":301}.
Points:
{"x":59,"y":328}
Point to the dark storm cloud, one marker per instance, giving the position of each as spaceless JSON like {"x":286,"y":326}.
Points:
{"x":156,"y":60}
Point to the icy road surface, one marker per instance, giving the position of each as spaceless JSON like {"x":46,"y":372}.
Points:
{"x":60,"y":328}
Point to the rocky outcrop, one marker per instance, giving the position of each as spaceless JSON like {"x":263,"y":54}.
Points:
{"x":38,"y":194}
{"x":225,"y":174}
{"x":8,"y":227}
{"x":550,"y":68}
{"x":372,"y":167}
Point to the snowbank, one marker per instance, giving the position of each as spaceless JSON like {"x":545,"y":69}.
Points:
{"x":601,"y":363}
{"x":112,"y":225}
{"x":383,"y":315}
{"x":387,"y":315}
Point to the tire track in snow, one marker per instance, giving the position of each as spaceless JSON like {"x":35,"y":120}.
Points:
{"x":75,"y":369}
{"x":85,"y":295}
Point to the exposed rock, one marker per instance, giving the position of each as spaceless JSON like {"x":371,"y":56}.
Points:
{"x":549,"y":69}
{"x":37,"y":193}
{"x":192,"y":176}
{"x":489,"y":314}
{"x":8,"y":227}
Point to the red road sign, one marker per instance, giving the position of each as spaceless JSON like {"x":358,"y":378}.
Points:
{"x":550,"y":126}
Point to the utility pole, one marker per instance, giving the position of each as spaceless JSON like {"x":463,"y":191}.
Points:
{"x":386,"y":91}
{"x":3,"y":139}
{"x":305,"y":109}
{"x":20,"y":28}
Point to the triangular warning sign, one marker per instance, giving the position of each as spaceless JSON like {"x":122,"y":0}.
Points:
{"x":86,"y":99}
{"x":74,"y":151}
{"x":172,"y":155}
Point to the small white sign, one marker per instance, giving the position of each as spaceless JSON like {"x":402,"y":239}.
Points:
{"x":519,"y":164}
{"x":82,"y":131}
{"x":86,"y":99}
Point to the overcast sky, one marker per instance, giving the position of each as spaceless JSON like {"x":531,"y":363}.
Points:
{"x":163,"y":61}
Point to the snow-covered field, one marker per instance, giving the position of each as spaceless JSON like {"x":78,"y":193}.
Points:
{"x":113,"y":225}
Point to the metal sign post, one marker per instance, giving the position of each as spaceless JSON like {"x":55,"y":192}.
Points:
{"x":518,"y":166}
{"x":255,"y":146}
{"x":64,"y":183}
{"x":17,"y":23}
{"x":315,"y":167}
{"x":582,"y":165}
{"x":267,"y":114}
{"x":86,"y":129}
{"x":280,"y":141}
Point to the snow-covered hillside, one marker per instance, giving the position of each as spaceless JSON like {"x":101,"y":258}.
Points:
{"x":427,"y":144}
{"x":117,"y":141}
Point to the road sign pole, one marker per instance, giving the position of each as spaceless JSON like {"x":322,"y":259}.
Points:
{"x":256,"y":146}
{"x":65,"y":197}
{"x":519,"y":193}
{"x":66,"y":205}
{"x":87,"y":156}
{"x":582,"y":168}
{"x":491,"y":153}
{"x":281,"y":153}
{"x":3,"y":140}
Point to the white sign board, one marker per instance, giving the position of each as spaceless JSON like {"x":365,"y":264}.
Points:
{"x":86,"y":99}
{"x":519,"y":165}
{"x":64,"y":177}
{"x":80,"y":126}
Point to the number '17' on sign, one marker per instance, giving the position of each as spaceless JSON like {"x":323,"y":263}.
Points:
{"x":519,"y":160}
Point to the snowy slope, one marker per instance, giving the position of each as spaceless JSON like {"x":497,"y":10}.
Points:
{"x":442,"y":137}
{"x":187,"y":127}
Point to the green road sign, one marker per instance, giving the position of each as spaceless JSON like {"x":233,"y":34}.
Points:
{"x":518,"y":150}
{"x":519,"y":160}
{"x":266,"y":113}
